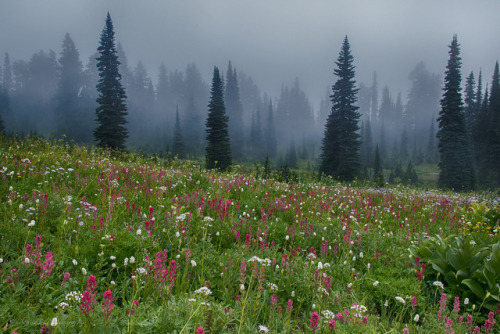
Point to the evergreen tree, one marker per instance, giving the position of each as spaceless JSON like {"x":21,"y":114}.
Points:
{"x":218,"y":149}
{"x":456,"y":165}
{"x":73,"y":118}
{"x":374,"y":95}
{"x":111,"y":112}
{"x":403,"y":146}
{"x":7,"y":75}
{"x":234,"y":110}
{"x":378,"y":171}
{"x":432,"y":154}
{"x":480,"y":140}
{"x":410,"y":176}
{"x":470,"y":100}
{"x":178,"y":142}
{"x":494,"y":128}
{"x":368,"y":144}
{"x":340,"y":144}
{"x":270,"y":133}
{"x":291,"y":158}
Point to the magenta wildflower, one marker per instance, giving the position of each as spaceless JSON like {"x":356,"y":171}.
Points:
{"x":274,"y":300}
{"x":331,"y":324}
{"x":328,"y":284}
{"x":488,"y":324}
{"x":313,"y":321}
{"x":456,"y":305}
{"x":448,"y":325}
{"x":468,"y":323}
{"x":48,"y":265}
{"x":88,"y":299}
{"x":200,"y":330}
{"x":406,"y":331}
{"x":45,"y":329}
{"x":414,"y":301}
{"x":91,"y":283}
{"x":289,"y":306}
{"x":476,"y":330}
{"x":442,"y":306}
{"x":66,"y":277}
{"x":108,"y":304}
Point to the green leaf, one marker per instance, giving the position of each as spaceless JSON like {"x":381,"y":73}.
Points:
{"x":475,"y":287}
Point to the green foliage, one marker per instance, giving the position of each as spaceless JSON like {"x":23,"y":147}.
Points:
{"x":340,"y":144}
{"x":111,"y":112}
{"x":469,"y":267}
{"x":218,"y":150}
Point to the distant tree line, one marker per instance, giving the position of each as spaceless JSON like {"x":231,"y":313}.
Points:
{"x":57,"y":95}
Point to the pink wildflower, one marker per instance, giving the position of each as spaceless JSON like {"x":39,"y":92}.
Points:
{"x":476,"y":330}
{"x":289,"y":306}
{"x":331,"y":324}
{"x":414,"y":301}
{"x":442,"y":306}
{"x":448,"y":325}
{"x":108,"y":304}
{"x":66,"y":277}
{"x":274,"y":300}
{"x":45,"y":329}
{"x":200,"y":330}
{"x":456,"y":305}
{"x":313,"y":321}
{"x":406,"y":331}
{"x":91,"y":283}
{"x":88,"y":299}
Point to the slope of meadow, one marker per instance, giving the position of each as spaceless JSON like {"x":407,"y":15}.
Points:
{"x":90,"y":242}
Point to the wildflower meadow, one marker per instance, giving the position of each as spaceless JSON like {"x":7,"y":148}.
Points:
{"x":94,"y":242}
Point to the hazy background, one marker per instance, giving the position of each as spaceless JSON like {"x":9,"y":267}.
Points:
{"x":274,"y":41}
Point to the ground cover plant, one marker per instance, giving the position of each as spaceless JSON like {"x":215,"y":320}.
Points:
{"x":94,"y":242}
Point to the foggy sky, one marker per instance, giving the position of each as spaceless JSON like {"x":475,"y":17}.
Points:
{"x":274,"y":41}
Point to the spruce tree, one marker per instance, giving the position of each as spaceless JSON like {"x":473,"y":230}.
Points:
{"x":340,"y":144}
{"x":494,"y":129}
{"x":111,"y":112}
{"x":178,"y":142}
{"x":234,"y":110}
{"x":378,"y":171}
{"x":270,"y":133}
{"x":73,"y":118}
{"x":218,"y":149}
{"x":456,"y":165}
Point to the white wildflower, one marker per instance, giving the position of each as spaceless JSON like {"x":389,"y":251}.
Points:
{"x":177,"y":234}
{"x":263,"y":329}
{"x":416,"y":318}
{"x":132,"y":259}
{"x":26,"y":260}
{"x":293,"y":293}
{"x":401,"y":300}
{"x":204,"y":290}
{"x":112,"y":257}
{"x":112,"y":283}
{"x":376,"y":283}
{"x":75,"y":262}
{"x":242,"y":287}
{"x":320,"y":265}
{"x":438,"y":284}
{"x":125,"y":262}
{"x":466,"y":301}
{"x":139,"y":231}
{"x":53,"y":323}
{"x":84,"y":272}
{"x":31,"y":223}
{"x":193,"y":263}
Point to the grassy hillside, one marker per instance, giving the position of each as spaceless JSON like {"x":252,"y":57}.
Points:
{"x":94,"y":242}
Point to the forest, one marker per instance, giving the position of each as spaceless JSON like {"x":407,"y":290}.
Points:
{"x":53,"y":95}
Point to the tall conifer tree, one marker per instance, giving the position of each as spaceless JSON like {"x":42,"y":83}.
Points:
{"x":494,"y":129}
{"x":456,"y":165}
{"x":111,"y":112}
{"x":218,"y":149}
{"x":178,"y":147}
{"x":340,"y":144}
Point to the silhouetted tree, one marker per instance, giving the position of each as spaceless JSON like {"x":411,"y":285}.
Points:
{"x":218,"y":149}
{"x":378,"y":171}
{"x":111,"y":112}
{"x":340,"y":144}
{"x":494,"y":128}
{"x":178,"y":141}
{"x":456,"y":166}
{"x":234,"y":110}
{"x":73,"y":117}
{"x":270,"y":133}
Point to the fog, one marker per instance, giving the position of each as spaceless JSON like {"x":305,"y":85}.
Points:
{"x":273,"y":42}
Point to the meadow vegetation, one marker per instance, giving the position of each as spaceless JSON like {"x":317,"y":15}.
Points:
{"x":92,"y":241}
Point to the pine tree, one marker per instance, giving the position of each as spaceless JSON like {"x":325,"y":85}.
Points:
{"x":378,"y":172}
{"x":234,"y":110}
{"x":494,"y":128}
{"x":218,"y":150}
{"x":432,"y":154}
{"x":456,"y":165}
{"x":470,"y":100}
{"x":178,"y":142}
{"x":111,"y":112}
{"x":74,"y":120}
{"x":270,"y":133}
{"x":340,"y":144}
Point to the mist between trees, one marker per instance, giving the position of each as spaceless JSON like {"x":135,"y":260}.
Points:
{"x":54,"y":95}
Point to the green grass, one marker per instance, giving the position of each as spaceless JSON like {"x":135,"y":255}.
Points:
{"x":271,"y":253}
